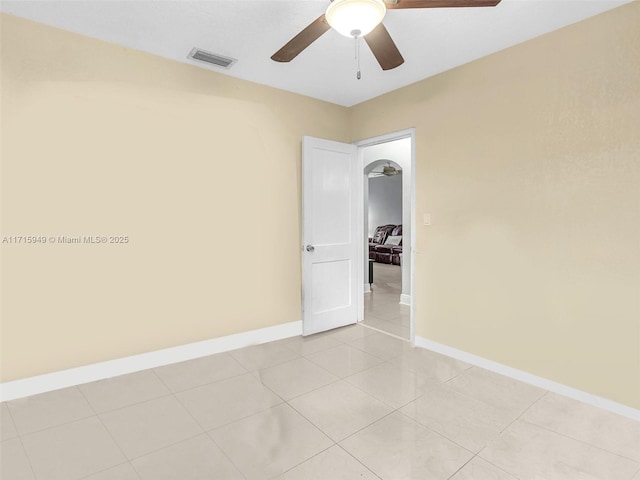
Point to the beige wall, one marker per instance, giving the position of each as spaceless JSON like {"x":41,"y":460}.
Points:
{"x":528,"y":162}
{"x":200,"y":170}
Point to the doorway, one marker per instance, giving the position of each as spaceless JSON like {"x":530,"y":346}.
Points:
{"x":388,"y":219}
{"x":335,"y":247}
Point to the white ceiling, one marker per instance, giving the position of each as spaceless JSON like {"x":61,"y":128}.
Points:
{"x":431,"y":40}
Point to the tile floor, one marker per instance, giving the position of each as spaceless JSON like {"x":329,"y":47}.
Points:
{"x":346,"y":404}
{"x":382,"y":309}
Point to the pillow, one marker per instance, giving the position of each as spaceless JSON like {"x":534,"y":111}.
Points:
{"x":393,"y":240}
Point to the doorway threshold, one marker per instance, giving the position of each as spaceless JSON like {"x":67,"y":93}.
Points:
{"x":385,"y":332}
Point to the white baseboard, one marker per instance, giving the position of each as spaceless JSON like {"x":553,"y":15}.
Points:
{"x":525,"y":377}
{"x":98,"y":371}
{"x":405,"y":299}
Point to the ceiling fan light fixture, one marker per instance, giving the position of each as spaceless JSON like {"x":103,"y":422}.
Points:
{"x":355,"y":18}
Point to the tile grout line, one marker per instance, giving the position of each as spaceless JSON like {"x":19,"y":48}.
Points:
{"x":337,"y":443}
{"x":515,"y":476}
{"x":195,"y":387}
{"x":169,"y":393}
{"x":204,"y":432}
{"x":546,"y":392}
{"x":325,"y":433}
{"x":413,"y":419}
{"x":207,"y":432}
{"x":476,"y":454}
{"x":173,"y":392}
{"x":287,"y":400}
{"x":394,"y":409}
{"x":359,"y":430}
{"x":637,"y":462}
{"x":135,"y":403}
{"x":359,"y":371}
{"x":124,"y":455}
{"x":130,"y":460}
{"x":213,"y":440}
{"x":468,"y":395}
{"x":459,"y":374}
{"x":462,"y":466}
{"x":109,"y":468}
{"x":525,"y":411}
{"x":233,"y":359}
{"x":51,"y":426}
{"x":380,"y":400}
{"x":398,"y":410}
{"x":306,"y":460}
{"x":358,"y":460}
{"x":282,"y":401}
{"x":296,"y":396}
{"x":19,"y":438}
{"x":274,"y":365}
{"x":437,"y":433}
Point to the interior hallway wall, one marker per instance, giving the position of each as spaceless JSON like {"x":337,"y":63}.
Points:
{"x":385,"y":201}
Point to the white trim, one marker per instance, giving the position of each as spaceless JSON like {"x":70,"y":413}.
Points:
{"x":405,"y":299}
{"x":387,"y":137}
{"x":525,"y":377}
{"x":414,"y":228}
{"x":144,"y":361}
{"x":358,"y":184}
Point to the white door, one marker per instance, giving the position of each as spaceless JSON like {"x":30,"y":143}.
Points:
{"x":329,"y":253}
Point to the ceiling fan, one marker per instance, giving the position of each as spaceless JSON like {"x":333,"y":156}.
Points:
{"x":387,"y":171}
{"x":362,"y":18}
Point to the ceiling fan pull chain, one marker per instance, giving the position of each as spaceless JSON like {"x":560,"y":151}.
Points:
{"x":358,"y":75}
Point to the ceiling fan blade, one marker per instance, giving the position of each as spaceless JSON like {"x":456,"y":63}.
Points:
{"x":384,"y":48}
{"x":397,"y":4}
{"x":302,"y":40}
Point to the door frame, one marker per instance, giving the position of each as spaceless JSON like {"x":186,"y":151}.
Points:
{"x":362,"y":241}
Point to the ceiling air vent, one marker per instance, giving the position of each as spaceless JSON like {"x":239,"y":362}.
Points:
{"x":212,"y":58}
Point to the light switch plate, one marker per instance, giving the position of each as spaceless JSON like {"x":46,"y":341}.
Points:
{"x":427,"y":219}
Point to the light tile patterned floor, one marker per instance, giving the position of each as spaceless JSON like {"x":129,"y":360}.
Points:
{"x":346,"y":404}
{"x":382,"y":308}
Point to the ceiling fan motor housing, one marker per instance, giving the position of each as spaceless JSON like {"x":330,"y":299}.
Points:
{"x":355,"y":18}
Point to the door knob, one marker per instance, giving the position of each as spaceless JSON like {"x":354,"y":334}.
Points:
{"x":310,"y":248}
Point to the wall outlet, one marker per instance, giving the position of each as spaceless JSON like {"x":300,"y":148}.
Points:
{"x":427,"y":219}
